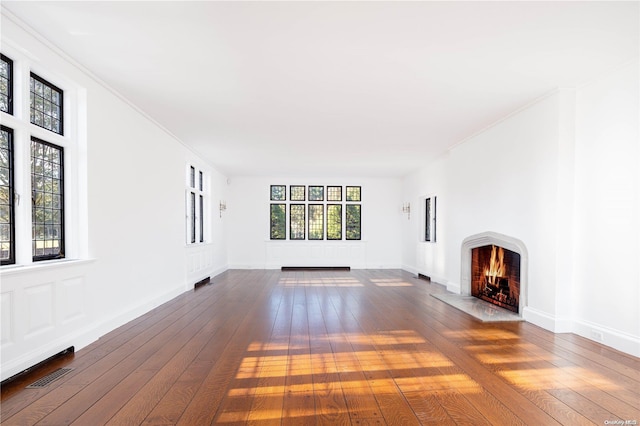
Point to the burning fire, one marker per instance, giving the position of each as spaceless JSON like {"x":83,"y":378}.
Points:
{"x":496,"y":268}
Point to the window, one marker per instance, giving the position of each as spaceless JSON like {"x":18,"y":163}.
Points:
{"x":316,"y":193}
{"x":353,"y":193}
{"x":47,"y":200}
{"x":278,"y":222}
{"x":316,"y":221}
{"x":296,"y":192}
{"x":46,"y":104}
{"x":201,"y":210}
{"x":7,"y":221}
{"x":297,"y":222}
{"x":334,"y":221}
{"x":196,"y":200}
{"x":6,"y":84}
{"x":334,"y":193}
{"x":329,"y":214}
{"x":278,"y":192}
{"x":430,"y":219}
{"x":42,"y":173}
{"x":353,"y":219}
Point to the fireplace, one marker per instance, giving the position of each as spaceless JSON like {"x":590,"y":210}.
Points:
{"x":495,"y":276}
{"x":494,"y":269}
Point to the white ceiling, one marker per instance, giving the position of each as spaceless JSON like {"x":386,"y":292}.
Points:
{"x":335,"y":88}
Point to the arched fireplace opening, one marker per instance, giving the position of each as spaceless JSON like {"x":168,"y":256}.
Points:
{"x":494,"y":269}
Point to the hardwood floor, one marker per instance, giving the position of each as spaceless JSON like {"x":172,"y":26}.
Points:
{"x":336,"y":348}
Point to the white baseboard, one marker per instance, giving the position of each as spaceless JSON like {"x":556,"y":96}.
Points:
{"x":621,"y":341}
{"x":27,"y":360}
{"x":547,"y":321}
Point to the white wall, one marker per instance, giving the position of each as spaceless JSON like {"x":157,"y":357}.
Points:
{"x":131,"y":251}
{"x":248,"y":217}
{"x":561,"y":176}
{"x":502,"y":180}
{"x":607,"y":249}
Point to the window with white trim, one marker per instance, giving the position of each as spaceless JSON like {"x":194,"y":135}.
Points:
{"x":326,"y":215}
{"x":6,"y":84}
{"x":47,"y":200}
{"x":430,"y":209}
{"x":197,"y":199}
{"x":40,"y":199}
{"x":7,"y":221}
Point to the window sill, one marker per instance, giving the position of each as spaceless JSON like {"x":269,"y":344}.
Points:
{"x":315,"y":241}
{"x":43,"y":266}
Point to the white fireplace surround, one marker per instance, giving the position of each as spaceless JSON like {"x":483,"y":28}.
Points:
{"x":504,"y":241}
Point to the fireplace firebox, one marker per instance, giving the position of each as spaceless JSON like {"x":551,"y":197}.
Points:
{"x":495,"y":276}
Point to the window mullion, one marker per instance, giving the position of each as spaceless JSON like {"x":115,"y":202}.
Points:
{"x":22,"y":194}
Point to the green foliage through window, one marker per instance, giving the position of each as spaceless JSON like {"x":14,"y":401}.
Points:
{"x":353,"y":224}
{"x":6,"y":84}
{"x":47,"y":187}
{"x":316,"y":221}
{"x":278,"y":222}
{"x":316,"y":193}
{"x":7,"y":245}
{"x":297,"y":222}
{"x":46,"y":104}
{"x":296,"y":192}
{"x":339,"y":218}
{"x":334,"y":221}
{"x":278,"y":192}
{"x":353,"y":193}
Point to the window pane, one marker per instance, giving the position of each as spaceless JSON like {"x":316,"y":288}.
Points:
{"x":278,"y":222}
{"x":46,"y":104}
{"x":7,"y":226}
{"x":278,"y":192}
{"x":48,"y":221}
{"x":296,"y":192}
{"x":192,"y":177}
{"x":334,"y":221}
{"x":201,"y":221}
{"x":192,"y":204}
{"x":6,"y":84}
{"x":353,"y":193}
{"x":316,"y":193}
{"x":427,"y":220}
{"x":296,"y":221}
{"x":334,"y":193}
{"x":353,"y":226}
{"x":434,"y":214}
{"x":201,"y":181}
{"x":316,"y":221}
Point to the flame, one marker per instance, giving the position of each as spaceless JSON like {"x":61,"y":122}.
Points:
{"x":497,"y":267}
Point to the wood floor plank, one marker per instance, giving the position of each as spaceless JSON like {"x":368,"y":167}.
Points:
{"x":354,"y":347}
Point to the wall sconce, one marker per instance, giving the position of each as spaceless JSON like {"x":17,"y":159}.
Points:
{"x":223,"y":207}
{"x":406,"y":208}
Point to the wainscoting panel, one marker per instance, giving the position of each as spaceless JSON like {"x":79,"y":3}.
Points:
{"x":199,"y":262}
{"x":321,"y":253}
{"x":72,"y":297}
{"x":39,"y":303}
{"x":6,"y":318}
{"x":44,"y":308}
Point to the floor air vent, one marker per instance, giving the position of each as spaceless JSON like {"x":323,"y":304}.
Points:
{"x":46,"y":380}
{"x":316,"y":268}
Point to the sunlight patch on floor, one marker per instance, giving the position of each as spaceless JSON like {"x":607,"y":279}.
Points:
{"x":488,"y":334}
{"x":391,"y":282}
{"x":333,"y":282}
{"x":557,"y":378}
